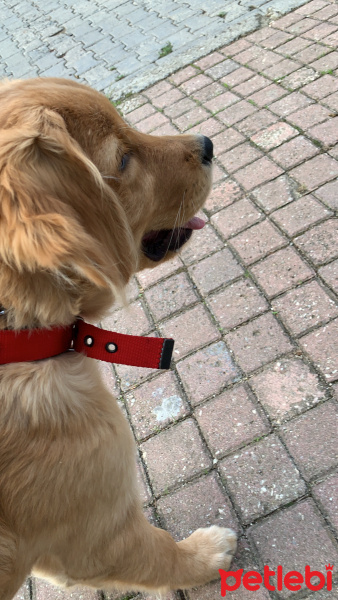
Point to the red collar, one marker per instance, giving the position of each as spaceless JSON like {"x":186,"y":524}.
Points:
{"x":35,"y":344}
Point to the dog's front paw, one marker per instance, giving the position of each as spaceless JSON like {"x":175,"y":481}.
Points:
{"x":211,"y":548}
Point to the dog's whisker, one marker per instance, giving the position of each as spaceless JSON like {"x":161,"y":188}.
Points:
{"x":110,"y":177}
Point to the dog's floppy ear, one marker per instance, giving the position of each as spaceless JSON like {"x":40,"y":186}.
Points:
{"x":56,"y":213}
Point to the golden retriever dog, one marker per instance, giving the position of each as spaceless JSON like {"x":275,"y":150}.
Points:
{"x":85,"y":202}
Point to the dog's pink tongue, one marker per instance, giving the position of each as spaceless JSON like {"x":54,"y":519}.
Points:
{"x":194,"y":223}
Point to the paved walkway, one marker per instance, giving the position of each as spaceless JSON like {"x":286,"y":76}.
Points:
{"x":120,"y":46}
{"x":243,"y":431}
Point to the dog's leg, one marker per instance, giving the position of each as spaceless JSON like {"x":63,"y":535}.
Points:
{"x":13,"y":565}
{"x":152,"y":560}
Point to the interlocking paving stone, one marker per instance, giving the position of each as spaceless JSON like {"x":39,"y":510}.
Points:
{"x":305,"y":307}
{"x":237,"y":303}
{"x":230,"y":420}
{"x":258,"y":342}
{"x":205,"y":373}
{"x":312,"y":439}
{"x":156,"y":404}
{"x":287,"y":388}
{"x":199,"y":504}
{"x":187,"y":456}
{"x":322,"y":347}
{"x":293,"y":538}
{"x":261,"y":478}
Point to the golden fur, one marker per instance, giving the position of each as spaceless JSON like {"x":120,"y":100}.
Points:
{"x":71,"y":227}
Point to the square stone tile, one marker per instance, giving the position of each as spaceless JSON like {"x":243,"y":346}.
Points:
{"x":321,"y":31}
{"x":250,"y":85}
{"x":171,"y":295}
{"x":265,"y":59}
{"x":140,"y":113}
{"x":237,"y":77}
{"x":322,"y":347}
{"x":267,"y":95}
{"x":237,"y":303}
{"x":209,"y":92}
{"x":258,"y":343}
{"x":222,"y":68}
{"x":179,"y":108}
{"x":236,"y":112}
{"x":312,"y":439}
{"x":303,"y":26}
{"x":328,"y":62}
{"x":332,"y":102}
{"x":329,"y":194}
{"x":330,"y":275}
{"x":257,"y":241}
{"x":326,"y":133}
{"x":261,"y":478}
{"x":149,"y":277}
{"x":290,"y":104}
{"x":283,"y":68}
{"x":190,"y":118}
{"x":226,"y":140}
{"x":211,"y":126}
{"x":326,"y":494}
{"x":168,"y":98}
{"x":198,"y":504}
{"x":230,"y":420}
{"x":131,"y":376}
{"x":320,"y":242}
{"x":256,"y":122}
{"x":208,"y":242}
{"x":223,"y":194}
{"x":260,"y":171}
{"x":216,"y":270}
{"x":236,"y":217}
{"x":280,"y":271}
{"x":276,"y":39}
{"x":156,"y":404}
{"x":274,"y":194}
{"x":206,"y":372}
{"x":131,"y":320}
{"x":152,"y":122}
{"x":309,"y":116}
{"x":293,"y":46}
{"x":190,"y":330}
{"x":175,"y":455}
{"x":304,"y":307}
{"x":322,"y":87}
{"x":315,"y":172}
{"x":293,"y":538}
{"x":238,"y":157}
{"x":209,"y":61}
{"x":274,"y":135}
{"x":221,"y":102}
{"x":294,"y":152}
{"x":286,"y":388}
{"x":299,"y":215}
{"x":195,"y":83}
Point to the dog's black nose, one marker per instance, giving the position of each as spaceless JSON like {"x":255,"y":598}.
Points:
{"x":207,"y":150}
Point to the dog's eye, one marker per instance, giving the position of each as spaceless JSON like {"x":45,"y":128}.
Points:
{"x":124,"y":162}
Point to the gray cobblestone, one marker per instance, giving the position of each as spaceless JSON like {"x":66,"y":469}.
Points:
{"x":86,"y":38}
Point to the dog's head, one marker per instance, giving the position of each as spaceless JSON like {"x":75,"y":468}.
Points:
{"x":85,"y":200}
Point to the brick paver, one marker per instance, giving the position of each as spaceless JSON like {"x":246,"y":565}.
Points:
{"x":241,"y":431}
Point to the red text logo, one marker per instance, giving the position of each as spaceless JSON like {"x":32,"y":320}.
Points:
{"x":292,"y":580}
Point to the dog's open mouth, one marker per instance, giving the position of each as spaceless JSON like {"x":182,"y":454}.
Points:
{"x":156,"y":244}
